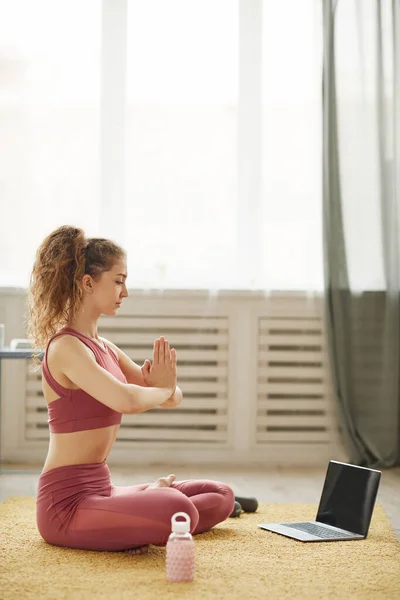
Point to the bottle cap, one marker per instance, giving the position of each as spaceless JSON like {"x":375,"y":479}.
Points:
{"x":180,"y":526}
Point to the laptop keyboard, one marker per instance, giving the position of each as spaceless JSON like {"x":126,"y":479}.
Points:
{"x":317,"y":530}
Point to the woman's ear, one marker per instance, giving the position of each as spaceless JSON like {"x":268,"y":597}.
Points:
{"x":87,"y":284}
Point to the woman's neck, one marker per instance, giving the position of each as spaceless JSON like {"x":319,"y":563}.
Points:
{"x":85,"y":327}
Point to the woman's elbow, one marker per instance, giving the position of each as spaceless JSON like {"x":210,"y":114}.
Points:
{"x":177,"y":397}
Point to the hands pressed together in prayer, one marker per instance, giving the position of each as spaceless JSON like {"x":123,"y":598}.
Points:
{"x":162,"y":371}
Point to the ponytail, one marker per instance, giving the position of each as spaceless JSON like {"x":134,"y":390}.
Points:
{"x":55,"y":292}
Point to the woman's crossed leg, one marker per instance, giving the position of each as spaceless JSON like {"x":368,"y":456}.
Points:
{"x":134,"y":516}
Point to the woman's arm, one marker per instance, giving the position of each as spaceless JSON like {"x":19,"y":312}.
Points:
{"x":78,"y":363}
{"x":174,"y":400}
{"x":134,"y":374}
{"x":130,"y":369}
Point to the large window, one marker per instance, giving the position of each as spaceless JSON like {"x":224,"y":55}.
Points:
{"x":181,"y":184}
{"x":188,"y":131}
{"x":292,"y":144}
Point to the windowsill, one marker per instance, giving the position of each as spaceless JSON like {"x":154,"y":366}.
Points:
{"x":171,"y":292}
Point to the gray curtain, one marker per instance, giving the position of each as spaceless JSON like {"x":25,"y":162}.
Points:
{"x":361,"y":154}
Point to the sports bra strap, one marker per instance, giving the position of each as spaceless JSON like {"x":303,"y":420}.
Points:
{"x":57,"y":387}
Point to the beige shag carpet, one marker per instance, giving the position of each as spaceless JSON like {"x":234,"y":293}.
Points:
{"x":235,"y":559}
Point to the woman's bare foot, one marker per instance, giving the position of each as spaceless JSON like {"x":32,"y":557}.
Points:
{"x":162,"y":482}
{"x":138,"y":550}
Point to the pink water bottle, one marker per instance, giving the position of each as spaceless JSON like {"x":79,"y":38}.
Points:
{"x":180,"y":550}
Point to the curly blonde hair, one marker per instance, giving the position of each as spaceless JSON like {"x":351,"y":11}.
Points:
{"x":55,"y":293}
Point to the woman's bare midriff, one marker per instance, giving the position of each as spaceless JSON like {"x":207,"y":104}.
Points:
{"x":79,"y":447}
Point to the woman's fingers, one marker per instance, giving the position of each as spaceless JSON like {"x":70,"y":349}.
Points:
{"x":155,"y":352}
{"x":173,"y":356}
{"x":161,"y":350}
{"x":167,"y":352}
{"x":162,"y":353}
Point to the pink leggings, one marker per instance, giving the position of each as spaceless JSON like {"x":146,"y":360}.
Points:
{"x":78,"y":507}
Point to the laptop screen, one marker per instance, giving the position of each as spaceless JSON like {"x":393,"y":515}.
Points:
{"x":348,"y":497}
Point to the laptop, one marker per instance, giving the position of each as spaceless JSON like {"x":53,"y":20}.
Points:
{"x":345,"y":508}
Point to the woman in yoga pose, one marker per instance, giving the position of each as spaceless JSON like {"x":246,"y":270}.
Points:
{"x":88,"y":384}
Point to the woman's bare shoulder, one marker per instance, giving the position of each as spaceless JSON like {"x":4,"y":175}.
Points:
{"x":67,"y":343}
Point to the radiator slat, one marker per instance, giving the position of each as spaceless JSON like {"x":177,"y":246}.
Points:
{"x":175,"y":339}
{"x":149,"y":435}
{"x":291,"y":340}
{"x":184,"y":371}
{"x":192,"y":404}
{"x":172,"y":418}
{"x":206,"y":387}
{"x":292,"y":437}
{"x":304,"y":404}
{"x":291,"y":324}
{"x":288,"y":372}
{"x":192,"y":435}
{"x":292,"y":388}
{"x":34,"y":386}
{"x":195,"y":355}
{"x":284,"y":355}
{"x":184,"y":374}
{"x":161,"y":323}
{"x":169,"y":419}
{"x":288,"y":421}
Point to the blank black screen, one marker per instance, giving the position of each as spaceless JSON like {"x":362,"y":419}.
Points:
{"x":348,"y":497}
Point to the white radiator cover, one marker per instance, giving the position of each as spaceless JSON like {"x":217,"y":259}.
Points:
{"x":253,"y":370}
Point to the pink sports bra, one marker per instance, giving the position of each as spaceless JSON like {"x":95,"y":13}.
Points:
{"x":75,"y":410}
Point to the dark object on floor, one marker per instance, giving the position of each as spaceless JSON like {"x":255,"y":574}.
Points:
{"x":236,"y":511}
{"x":248,"y":504}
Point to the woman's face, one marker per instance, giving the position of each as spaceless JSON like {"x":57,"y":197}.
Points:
{"x":110,"y":289}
